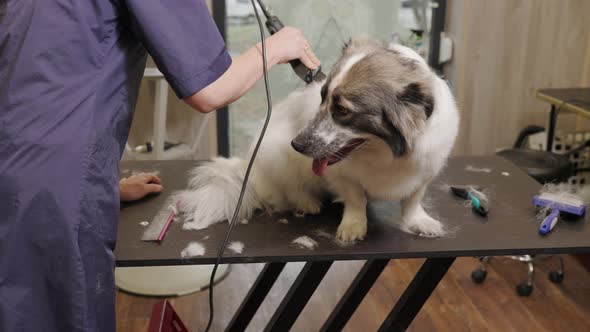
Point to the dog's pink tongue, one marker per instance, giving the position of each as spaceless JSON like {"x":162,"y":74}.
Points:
{"x":319,"y":166}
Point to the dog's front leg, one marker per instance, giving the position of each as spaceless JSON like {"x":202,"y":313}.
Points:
{"x":415,"y":220}
{"x":354,"y":220}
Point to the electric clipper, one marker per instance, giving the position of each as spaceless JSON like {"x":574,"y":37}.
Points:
{"x":273,"y":24}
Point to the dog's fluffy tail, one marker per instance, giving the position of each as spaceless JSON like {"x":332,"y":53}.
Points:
{"x":213,"y":193}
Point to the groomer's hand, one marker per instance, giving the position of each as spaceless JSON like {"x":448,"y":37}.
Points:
{"x":286,"y":45}
{"x":138,"y":186}
{"x":289,"y":44}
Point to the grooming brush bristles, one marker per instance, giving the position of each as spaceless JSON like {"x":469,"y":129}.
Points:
{"x":562,"y":198}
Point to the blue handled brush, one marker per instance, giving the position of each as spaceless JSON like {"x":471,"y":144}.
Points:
{"x":470,"y":193}
{"x":558,"y":204}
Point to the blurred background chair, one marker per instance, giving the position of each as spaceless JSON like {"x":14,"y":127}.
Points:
{"x":545,"y":167}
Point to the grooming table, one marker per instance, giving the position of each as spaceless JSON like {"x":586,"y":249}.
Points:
{"x":510,"y":229}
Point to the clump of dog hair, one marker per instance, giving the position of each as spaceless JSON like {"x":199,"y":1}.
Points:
{"x":144,"y":223}
{"x":283,"y":221}
{"x":471,"y":168}
{"x":443,"y":186}
{"x":299,"y":214}
{"x":173,"y":209}
{"x":567,"y":191}
{"x":236,"y":246}
{"x":305,"y":242}
{"x":322,"y":233}
{"x":193,"y":249}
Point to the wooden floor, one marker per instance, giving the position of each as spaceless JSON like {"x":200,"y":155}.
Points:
{"x":456,"y":305}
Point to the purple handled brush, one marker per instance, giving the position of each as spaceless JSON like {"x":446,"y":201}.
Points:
{"x":562,"y":203}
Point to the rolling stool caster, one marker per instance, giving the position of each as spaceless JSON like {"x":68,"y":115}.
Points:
{"x":479,"y":275}
{"x":524,"y":289}
{"x":556,"y":277}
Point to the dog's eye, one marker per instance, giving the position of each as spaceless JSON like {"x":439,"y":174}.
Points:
{"x":340,"y":110}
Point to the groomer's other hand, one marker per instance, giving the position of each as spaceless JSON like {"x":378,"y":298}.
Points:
{"x":138,"y":186}
{"x":289,"y":44}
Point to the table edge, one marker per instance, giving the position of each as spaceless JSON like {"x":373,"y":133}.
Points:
{"x":350,"y":257}
{"x":563,"y":105}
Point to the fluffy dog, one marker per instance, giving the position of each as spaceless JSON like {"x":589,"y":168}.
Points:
{"x":381,"y":126}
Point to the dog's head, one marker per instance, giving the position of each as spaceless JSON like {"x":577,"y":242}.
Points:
{"x":373,"y":93}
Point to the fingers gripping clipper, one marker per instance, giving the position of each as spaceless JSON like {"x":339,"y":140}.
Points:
{"x":273,"y":24}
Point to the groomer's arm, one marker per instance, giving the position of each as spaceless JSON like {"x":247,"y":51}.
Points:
{"x":245,"y":70}
{"x":188,"y":49}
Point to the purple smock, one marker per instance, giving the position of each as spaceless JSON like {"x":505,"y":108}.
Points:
{"x":69,"y":77}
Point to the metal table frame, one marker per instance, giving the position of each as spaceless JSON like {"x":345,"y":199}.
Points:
{"x":399,"y":318}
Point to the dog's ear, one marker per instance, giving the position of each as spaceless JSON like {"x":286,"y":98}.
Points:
{"x":405,"y":117}
{"x":395,"y":138}
{"x":346,"y":45}
{"x":415,"y":95}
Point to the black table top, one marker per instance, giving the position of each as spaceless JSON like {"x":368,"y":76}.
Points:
{"x":510,"y":228}
{"x":574,"y":99}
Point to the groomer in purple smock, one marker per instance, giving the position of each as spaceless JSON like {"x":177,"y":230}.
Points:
{"x":69,"y":77}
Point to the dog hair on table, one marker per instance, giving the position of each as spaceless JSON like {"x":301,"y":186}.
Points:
{"x":380,"y":126}
{"x":193,"y":249}
{"x":236,"y":247}
{"x":305,"y":242}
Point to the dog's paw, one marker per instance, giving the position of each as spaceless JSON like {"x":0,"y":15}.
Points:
{"x":351,"y":231}
{"x":423,"y":225}
{"x":308,"y":206}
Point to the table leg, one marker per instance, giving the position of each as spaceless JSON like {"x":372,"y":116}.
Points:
{"x":355,"y":293}
{"x":416,"y":294}
{"x":160,"y":107}
{"x":552,"y":124}
{"x":300,"y":292}
{"x":255,"y":297}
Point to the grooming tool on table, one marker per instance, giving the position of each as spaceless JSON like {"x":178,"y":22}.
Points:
{"x":467,"y":193}
{"x":159,"y":226}
{"x":273,"y":24}
{"x":558,"y":204}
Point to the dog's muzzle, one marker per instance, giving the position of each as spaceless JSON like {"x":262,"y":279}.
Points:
{"x":299,"y":147}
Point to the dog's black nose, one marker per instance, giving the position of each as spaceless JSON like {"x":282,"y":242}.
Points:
{"x":297,"y":146}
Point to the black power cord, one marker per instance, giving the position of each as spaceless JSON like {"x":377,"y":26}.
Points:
{"x":247,"y":175}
